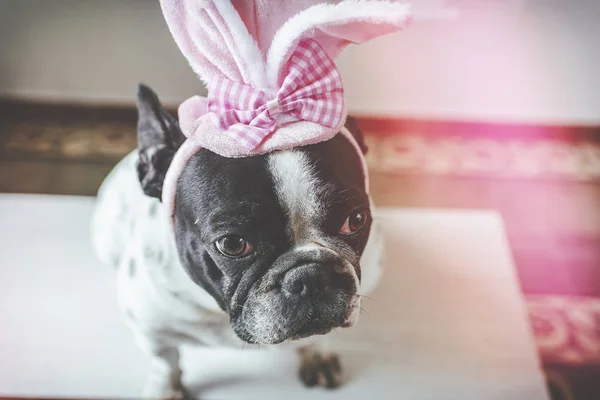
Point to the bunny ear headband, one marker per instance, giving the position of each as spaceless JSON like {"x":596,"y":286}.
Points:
{"x":270,"y":72}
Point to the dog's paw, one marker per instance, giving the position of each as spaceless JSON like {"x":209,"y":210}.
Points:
{"x":161,"y":387}
{"x":179,"y":394}
{"x":320,"y":369}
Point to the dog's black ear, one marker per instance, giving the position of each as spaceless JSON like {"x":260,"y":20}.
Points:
{"x":354,"y":128}
{"x":159,"y":137}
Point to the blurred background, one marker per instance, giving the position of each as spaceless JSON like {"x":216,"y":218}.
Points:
{"x":481,"y":104}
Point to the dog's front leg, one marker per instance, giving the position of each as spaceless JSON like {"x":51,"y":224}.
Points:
{"x":319,"y":366}
{"x":164,"y":378}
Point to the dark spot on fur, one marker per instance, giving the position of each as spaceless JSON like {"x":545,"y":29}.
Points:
{"x":175,"y":294}
{"x":153,"y":209}
{"x":131,"y":268}
{"x":116,"y":260}
{"x":149,"y":254}
{"x":153,"y":256}
{"x":130,"y":315}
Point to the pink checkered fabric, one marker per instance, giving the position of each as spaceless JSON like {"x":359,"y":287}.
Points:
{"x":311,"y":91}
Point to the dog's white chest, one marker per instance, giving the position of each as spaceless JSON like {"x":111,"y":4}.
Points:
{"x":131,"y":232}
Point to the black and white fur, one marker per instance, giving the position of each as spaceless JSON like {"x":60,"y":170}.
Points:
{"x":175,"y":287}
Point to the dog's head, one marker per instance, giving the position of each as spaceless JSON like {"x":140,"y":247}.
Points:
{"x":276,"y":239}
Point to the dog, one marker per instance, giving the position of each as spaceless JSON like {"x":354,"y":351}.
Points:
{"x":267,"y":250}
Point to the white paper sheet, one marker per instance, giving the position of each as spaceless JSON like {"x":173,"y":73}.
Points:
{"x":447,"y":322}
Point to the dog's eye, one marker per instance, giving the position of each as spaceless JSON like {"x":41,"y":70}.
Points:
{"x":233,"y":246}
{"x":354,"y":222}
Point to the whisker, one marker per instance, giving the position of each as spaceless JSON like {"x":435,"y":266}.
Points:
{"x":363,"y":310}
{"x":367,"y":297}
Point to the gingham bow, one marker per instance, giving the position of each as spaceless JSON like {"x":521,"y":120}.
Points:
{"x":311,"y":91}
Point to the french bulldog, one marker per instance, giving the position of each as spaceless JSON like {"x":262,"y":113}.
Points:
{"x":267,"y":250}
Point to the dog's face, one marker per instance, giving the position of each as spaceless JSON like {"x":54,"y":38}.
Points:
{"x":276,"y":239}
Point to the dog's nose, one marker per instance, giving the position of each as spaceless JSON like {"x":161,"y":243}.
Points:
{"x":308,"y":280}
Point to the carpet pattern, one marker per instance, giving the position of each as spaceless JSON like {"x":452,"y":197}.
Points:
{"x":102,"y":142}
{"x":485,"y":158}
{"x":567,"y":329}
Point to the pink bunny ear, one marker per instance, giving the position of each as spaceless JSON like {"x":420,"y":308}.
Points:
{"x":215,"y":41}
{"x":264,"y":17}
{"x":334,"y":26}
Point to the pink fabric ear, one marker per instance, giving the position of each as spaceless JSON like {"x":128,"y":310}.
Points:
{"x":334,"y":26}
{"x":214,"y":40}
{"x":275,"y":12}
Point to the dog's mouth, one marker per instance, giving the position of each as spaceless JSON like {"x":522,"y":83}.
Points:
{"x":268,"y":324}
{"x":324,"y":325}
{"x":313,"y":329}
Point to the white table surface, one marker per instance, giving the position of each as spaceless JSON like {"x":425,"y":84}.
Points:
{"x":447,"y":322}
